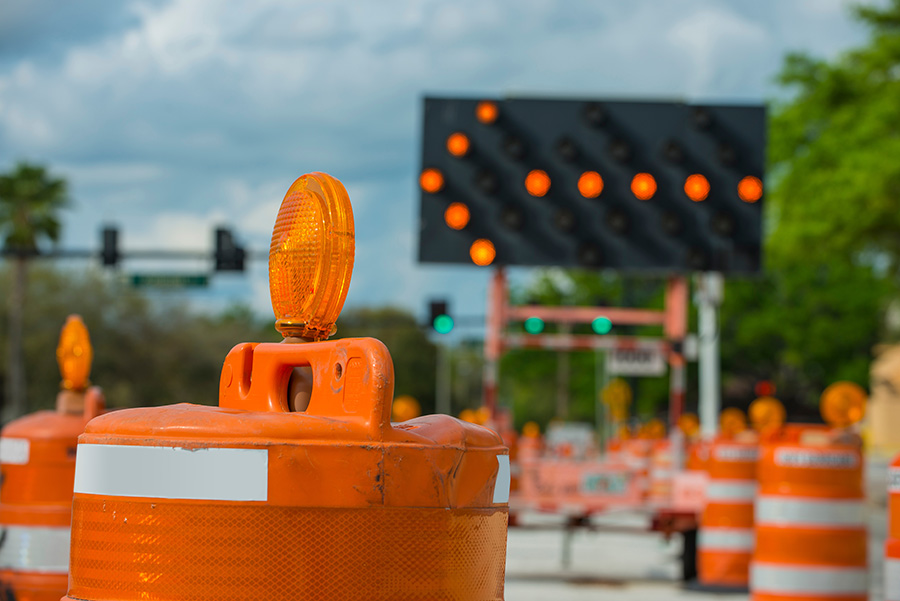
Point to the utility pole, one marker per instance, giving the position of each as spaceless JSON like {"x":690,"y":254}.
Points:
{"x":708,"y":297}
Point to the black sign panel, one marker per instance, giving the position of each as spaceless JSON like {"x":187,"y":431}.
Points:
{"x":629,"y":186}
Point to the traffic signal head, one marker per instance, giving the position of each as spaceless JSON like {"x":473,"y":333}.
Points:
{"x":534,"y":325}
{"x":109,"y":255}
{"x":229,"y":256}
{"x":439,"y":317}
{"x":632,"y":186}
{"x":601,"y":325}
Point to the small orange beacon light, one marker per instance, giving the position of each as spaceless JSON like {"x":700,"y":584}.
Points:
{"x":37,"y":470}
{"x":253,"y":500}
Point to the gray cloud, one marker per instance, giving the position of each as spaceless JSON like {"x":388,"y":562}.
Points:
{"x":205,"y":110}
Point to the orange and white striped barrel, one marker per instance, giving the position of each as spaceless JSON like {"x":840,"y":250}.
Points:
{"x":661,"y":472}
{"x":892,"y":545}
{"x":251,"y":501}
{"x":37,"y":471}
{"x":725,"y":537}
{"x":810,"y":524}
{"x":636,"y":454}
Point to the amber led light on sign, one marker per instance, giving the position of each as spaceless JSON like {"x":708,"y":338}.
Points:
{"x":643,"y":186}
{"x":458,"y":144}
{"x":482,"y":252}
{"x":696,"y":187}
{"x":537,"y":182}
{"x":750,"y":189}
{"x":457,"y":215}
{"x":487,"y":112}
{"x":590,"y":184}
{"x":74,"y":354}
{"x":431,"y":180}
{"x":311,"y":257}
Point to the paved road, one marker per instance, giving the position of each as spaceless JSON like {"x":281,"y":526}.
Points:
{"x":616,"y":565}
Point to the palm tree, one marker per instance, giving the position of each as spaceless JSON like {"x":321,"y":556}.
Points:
{"x":30,"y":201}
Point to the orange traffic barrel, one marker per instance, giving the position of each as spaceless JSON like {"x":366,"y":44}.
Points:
{"x":662,"y":470}
{"x":37,"y":471}
{"x":636,"y":454}
{"x":250,"y":501}
{"x":892,"y":545}
{"x":810,"y":521}
{"x":725,"y":538}
{"x":297,"y":486}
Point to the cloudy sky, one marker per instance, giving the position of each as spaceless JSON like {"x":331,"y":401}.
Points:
{"x":169,"y":117}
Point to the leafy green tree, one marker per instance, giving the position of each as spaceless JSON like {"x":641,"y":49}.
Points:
{"x":30,"y":202}
{"x":833,"y":151}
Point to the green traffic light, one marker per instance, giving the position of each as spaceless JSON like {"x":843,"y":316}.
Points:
{"x":442,"y":324}
{"x":534,"y":325}
{"x":601,"y":325}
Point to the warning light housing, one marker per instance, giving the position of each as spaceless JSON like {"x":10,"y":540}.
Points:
{"x":766,"y":414}
{"x":311,"y":257}
{"x":732,"y":421}
{"x":843,"y":404}
{"x":689,"y":424}
{"x":74,"y":355}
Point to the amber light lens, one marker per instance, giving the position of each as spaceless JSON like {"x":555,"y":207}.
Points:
{"x":457,"y":216}
{"x":696,"y":187}
{"x":766,"y":414}
{"x":689,"y":424}
{"x":843,"y":404}
{"x":482,"y":252}
{"x":643,"y":186}
{"x":311,"y":257}
{"x":458,"y":144}
{"x":590,"y":184}
{"x":750,"y":189}
{"x":487,"y":112}
{"x":74,"y":354}
{"x":431,"y":180}
{"x":537,"y":182}
{"x":732,"y":421}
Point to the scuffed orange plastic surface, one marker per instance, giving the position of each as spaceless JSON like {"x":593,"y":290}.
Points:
{"x":131,"y":550}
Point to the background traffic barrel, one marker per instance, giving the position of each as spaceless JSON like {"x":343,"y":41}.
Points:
{"x":725,"y":538}
{"x":662,"y":470}
{"x":892,"y":545}
{"x":250,"y":501}
{"x":810,"y":520}
{"x":37,"y":471}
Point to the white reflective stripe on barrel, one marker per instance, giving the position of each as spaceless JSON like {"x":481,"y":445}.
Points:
{"x":725,"y":539}
{"x":891,"y":579}
{"x":785,"y":511}
{"x":824,"y":581}
{"x":35,"y":549}
{"x":204,"y":473}
{"x":734,"y":491}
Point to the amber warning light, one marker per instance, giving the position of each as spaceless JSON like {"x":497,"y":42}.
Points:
{"x":311,"y":257}
{"x":74,"y":355}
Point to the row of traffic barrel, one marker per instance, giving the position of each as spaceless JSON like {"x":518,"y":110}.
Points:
{"x":785,"y":508}
{"x":297,"y":485}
